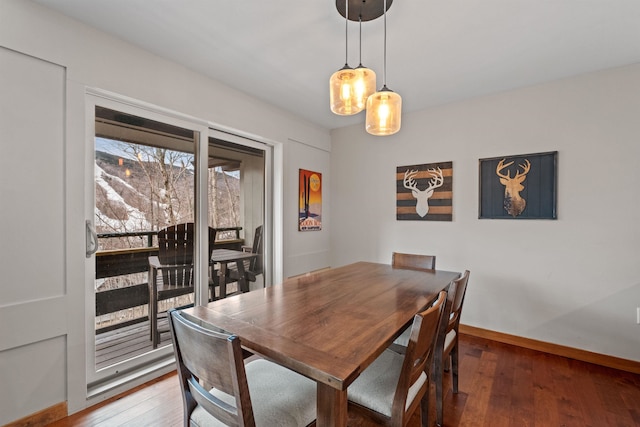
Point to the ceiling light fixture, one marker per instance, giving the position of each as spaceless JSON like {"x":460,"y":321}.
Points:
{"x":366,"y":80}
{"x":384,"y":107}
{"x":342,"y":85}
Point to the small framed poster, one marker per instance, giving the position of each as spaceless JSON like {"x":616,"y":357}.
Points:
{"x":309,"y":201}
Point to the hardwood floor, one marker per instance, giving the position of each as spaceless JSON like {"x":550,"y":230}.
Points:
{"x":500,"y":385}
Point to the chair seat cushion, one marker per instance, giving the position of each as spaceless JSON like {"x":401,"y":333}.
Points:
{"x":449,"y":340}
{"x":279,"y":397}
{"x":403,"y":339}
{"x":376,"y":386}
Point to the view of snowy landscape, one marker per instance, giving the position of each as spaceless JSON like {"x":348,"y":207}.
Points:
{"x":141,"y":188}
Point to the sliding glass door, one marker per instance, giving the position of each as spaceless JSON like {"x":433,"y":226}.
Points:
{"x":154,"y":174}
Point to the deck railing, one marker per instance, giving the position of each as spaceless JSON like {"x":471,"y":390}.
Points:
{"x":121,"y":262}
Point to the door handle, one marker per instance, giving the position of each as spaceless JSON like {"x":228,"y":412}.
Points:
{"x":91,"y":239}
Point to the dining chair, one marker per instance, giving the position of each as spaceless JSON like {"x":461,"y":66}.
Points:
{"x":394,"y":386}
{"x":413,"y":261}
{"x":449,"y":347}
{"x":171,"y":271}
{"x":219,"y":389}
{"x":255,"y":265}
{"x":410,"y":262}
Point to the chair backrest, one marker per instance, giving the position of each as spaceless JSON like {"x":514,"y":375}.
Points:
{"x":175,"y":253}
{"x":256,"y":265}
{"x":419,"y":355}
{"x":413,"y":261}
{"x":209,"y":359}
{"x":459,"y":288}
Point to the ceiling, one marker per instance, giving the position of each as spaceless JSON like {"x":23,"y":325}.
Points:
{"x":438,"y":51}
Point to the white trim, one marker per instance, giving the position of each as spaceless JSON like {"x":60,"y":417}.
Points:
{"x":115,"y":378}
{"x":111,"y":375}
{"x":273,"y":214}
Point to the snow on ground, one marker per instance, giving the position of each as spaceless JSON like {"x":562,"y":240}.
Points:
{"x":136,"y":219}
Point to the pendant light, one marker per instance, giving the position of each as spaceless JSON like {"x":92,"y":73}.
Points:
{"x":366,"y":83}
{"x":384,"y":107}
{"x":342,"y":85}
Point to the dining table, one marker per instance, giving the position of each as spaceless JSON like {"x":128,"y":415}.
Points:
{"x":225,"y":257}
{"x":330,"y":325}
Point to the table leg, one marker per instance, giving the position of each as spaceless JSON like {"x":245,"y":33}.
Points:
{"x":332,"y":407}
{"x":223,"y":279}
{"x":153,"y":306}
{"x":243,"y":285}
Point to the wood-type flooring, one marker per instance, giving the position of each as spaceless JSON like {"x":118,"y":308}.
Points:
{"x":500,"y":385}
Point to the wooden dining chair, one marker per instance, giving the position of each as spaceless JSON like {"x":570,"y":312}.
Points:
{"x":219,"y":389}
{"x":171,"y":272}
{"x":394,"y":386}
{"x":449,"y":344}
{"x":410,"y":262}
{"x":413,"y":261}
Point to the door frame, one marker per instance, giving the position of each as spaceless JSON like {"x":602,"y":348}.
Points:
{"x":122,"y":376}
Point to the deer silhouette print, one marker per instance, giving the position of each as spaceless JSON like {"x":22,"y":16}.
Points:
{"x":514,"y":204}
{"x":422,"y":196}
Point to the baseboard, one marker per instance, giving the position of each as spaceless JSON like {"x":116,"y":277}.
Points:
{"x":556,"y":349}
{"x":42,"y":418}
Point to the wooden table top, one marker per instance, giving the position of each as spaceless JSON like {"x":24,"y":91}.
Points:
{"x":331,"y":325}
{"x":230,"y":255}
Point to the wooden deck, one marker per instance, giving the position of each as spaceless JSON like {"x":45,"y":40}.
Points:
{"x":126,"y":342}
{"x":133,"y":340}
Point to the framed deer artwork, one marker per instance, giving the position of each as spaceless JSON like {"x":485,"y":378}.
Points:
{"x":519,"y":187}
{"x":424,"y":192}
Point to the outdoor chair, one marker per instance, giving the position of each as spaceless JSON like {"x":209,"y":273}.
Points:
{"x":171,"y":272}
{"x":254,"y":267}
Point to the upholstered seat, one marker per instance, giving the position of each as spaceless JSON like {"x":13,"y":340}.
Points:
{"x":218,"y":389}
{"x":403,"y":340}
{"x":394,"y":386}
{"x":376,"y":388}
{"x":279,"y":397}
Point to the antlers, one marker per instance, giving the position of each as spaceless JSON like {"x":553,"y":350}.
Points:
{"x":437,"y":179}
{"x":435,"y":182}
{"x":409,"y":182}
{"x":501,"y":165}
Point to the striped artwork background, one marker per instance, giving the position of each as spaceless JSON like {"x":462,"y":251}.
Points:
{"x":440,"y":203}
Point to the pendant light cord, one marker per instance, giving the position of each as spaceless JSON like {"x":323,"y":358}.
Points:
{"x":346,"y":32}
{"x":384,"y":64}
{"x":360,"y":20}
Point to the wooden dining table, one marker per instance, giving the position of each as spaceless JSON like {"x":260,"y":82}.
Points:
{"x":328,"y":326}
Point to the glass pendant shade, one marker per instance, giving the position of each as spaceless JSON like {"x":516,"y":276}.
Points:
{"x":343,"y":89}
{"x":384,"y":111}
{"x":365,"y":85}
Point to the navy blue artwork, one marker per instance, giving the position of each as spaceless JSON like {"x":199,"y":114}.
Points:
{"x":519,"y":187}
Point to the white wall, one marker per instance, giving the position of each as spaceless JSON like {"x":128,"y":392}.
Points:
{"x":92,"y":59}
{"x":573,"y":281}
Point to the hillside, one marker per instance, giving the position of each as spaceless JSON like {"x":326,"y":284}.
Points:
{"x":144,"y":196}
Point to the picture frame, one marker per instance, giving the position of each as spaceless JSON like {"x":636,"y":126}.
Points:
{"x":520,"y":186}
{"x":424,"y":192}
{"x":309,"y":200}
